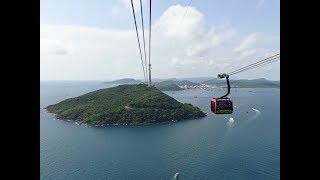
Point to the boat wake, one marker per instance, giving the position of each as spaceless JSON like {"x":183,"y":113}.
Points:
{"x":230,"y":122}
{"x":175,"y":176}
{"x":257,"y":114}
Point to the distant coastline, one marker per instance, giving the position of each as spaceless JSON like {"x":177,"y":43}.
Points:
{"x":202,"y":83}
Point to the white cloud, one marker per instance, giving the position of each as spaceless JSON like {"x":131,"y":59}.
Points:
{"x":246,"y":43}
{"x":176,"y":62}
{"x":248,"y":52}
{"x":173,"y":24}
{"x":199,"y":49}
{"x":220,"y":37}
{"x":179,"y":49}
{"x":55,"y":47}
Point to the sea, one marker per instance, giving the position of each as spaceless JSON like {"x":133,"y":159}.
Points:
{"x":243,"y":145}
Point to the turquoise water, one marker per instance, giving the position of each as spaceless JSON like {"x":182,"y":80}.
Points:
{"x":244,"y":145}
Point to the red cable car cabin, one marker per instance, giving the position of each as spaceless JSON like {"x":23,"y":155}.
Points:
{"x":222,"y":105}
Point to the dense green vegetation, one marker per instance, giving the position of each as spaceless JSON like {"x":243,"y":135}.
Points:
{"x":125,"y":104}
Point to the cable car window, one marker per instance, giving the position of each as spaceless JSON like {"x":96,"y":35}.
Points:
{"x":224,"y":104}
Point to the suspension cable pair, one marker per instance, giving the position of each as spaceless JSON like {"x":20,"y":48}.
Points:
{"x":144,"y":65}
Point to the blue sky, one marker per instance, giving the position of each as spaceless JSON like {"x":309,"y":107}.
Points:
{"x":230,"y":22}
{"x":244,"y":14}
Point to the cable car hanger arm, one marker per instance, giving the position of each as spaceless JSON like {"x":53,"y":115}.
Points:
{"x":224,"y":75}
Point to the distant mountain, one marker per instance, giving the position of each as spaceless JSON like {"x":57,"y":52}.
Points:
{"x":175,"y":85}
{"x":160,"y":80}
{"x":196,"y":79}
{"x":244,"y":83}
{"x":169,"y":85}
{"x":125,"y":81}
{"x":191,"y":79}
{"x":186,"y":83}
{"x":277,"y":83}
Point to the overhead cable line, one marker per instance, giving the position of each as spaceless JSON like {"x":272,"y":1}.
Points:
{"x":257,"y":64}
{"x":144,"y":41}
{"x":135,"y":23}
{"x":149,"y":44}
{"x":265,"y":61}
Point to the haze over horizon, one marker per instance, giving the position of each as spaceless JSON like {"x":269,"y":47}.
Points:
{"x":95,"y":40}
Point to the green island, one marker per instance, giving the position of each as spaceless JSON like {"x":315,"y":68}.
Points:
{"x":124,"y":105}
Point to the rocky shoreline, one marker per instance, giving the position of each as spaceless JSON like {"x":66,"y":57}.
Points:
{"x":83,"y":122}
